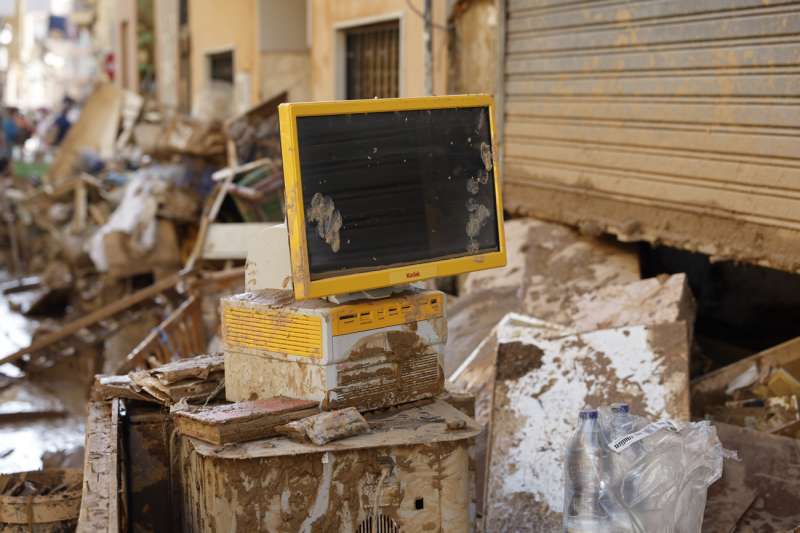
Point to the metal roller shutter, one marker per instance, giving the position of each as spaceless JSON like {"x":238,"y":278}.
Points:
{"x":668,"y":121}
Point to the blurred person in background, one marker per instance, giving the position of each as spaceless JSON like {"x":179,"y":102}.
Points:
{"x":63,"y":121}
{"x":16,"y":129}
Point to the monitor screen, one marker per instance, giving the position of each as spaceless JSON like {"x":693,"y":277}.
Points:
{"x":388,"y":189}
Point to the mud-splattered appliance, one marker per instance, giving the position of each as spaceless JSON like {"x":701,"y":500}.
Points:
{"x":409,"y":474}
{"x":363,"y":353}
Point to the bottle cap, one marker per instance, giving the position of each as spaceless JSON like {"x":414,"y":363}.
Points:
{"x":588,"y":414}
{"x":620,"y":407}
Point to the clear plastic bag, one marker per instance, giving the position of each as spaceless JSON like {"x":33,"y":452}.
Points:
{"x":624,"y":473}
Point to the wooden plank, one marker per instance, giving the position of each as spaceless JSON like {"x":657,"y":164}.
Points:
{"x":238,"y":170}
{"x":96,"y":129}
{"x":101,"y":480}
{"x":243,"y":421}
{"x":69,"y":329}
{"x":196,"y":367}
{"x":210,"y":211}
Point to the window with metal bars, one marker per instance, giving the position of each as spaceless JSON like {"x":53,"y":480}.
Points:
{"x":373,"y":60}
{"x":220,"y":66}
{"x":379,"y":524}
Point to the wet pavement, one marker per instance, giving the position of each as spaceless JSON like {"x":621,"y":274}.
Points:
{"x":43,"y":413}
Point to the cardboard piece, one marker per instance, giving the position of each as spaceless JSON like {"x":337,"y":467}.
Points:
{"x":95,"y":130}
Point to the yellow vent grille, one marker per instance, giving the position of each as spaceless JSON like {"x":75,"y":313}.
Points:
{"x":273,"y":331}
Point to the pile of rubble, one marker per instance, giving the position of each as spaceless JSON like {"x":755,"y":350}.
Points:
{"x":121,"y":252}
{"x":569,"y":323}
{"x":129,"y":199}
{"x":112,"y":259}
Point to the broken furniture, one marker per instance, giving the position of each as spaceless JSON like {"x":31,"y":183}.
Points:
{"x":130,"y":454}
{"x":254,"y":135}
{"x":181,"y":334}
{"x":193,"y":378}
{"x":759,"y":392}
{"x":42,"y":501}
{"x":410,"y":473}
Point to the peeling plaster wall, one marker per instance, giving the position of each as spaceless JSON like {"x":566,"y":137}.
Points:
{"x":327,"y":15}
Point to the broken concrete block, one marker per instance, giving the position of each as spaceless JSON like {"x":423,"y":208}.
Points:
{"x":476,"y":374}
{"x":759,"y":492}
{"x":326,"y":427}
{"x":471,"y":318}
{"x":643,"y":302}
{"x":548,"y":266}
{"x":549,"y":261}
{"x":658,"y":300}
{"x":542,"y":383}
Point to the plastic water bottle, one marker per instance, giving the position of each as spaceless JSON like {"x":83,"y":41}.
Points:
{"x":621,"y":420}
{"x":584,"y":485}
{"x":621,"y":489}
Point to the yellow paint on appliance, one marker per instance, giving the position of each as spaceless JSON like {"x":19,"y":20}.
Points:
{"x":273,"y":331}
{"x":365,"y":316}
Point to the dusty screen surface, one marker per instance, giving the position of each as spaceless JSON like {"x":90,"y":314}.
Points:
{"x":394,"y":188}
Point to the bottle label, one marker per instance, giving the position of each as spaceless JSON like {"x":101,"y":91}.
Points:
{"x":631,"y":438}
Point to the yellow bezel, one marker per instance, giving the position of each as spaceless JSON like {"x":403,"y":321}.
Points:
{"x":304,"y":286}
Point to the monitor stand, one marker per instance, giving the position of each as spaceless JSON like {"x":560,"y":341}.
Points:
{"x":374,"y":294}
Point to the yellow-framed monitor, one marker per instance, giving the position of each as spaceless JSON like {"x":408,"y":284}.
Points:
{"x":390,"y":191}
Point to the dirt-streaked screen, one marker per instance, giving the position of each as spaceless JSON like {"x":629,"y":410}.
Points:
{"x":393,"y":188}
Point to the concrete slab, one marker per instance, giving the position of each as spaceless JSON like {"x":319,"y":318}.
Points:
{"x":541,"y":384}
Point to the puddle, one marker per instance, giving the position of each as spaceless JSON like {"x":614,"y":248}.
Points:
{"x":15,"y":332}
{"x":26,"y":438}
{"x":24,"y":442}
